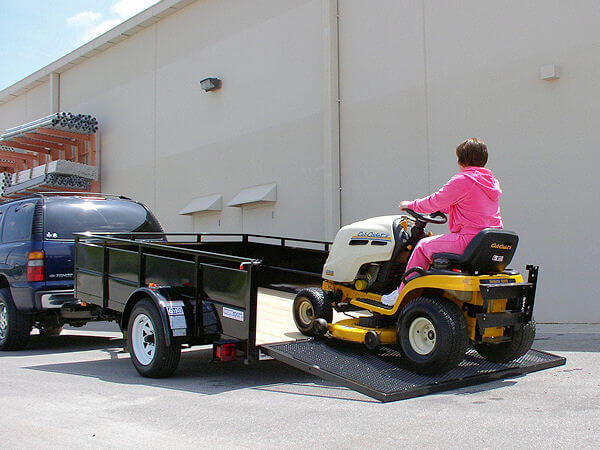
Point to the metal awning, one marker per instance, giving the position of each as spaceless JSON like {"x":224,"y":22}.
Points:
{"x":266,"y":193}
{"x":202,"y":204}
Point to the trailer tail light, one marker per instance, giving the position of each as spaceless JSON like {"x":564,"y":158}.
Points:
{"x":226,"y":351}
{"x":35,"y":266}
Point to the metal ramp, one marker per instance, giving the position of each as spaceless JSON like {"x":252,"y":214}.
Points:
{"x":381,"y":376}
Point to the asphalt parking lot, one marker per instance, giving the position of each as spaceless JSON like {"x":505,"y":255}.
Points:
{"x":79,"y":390}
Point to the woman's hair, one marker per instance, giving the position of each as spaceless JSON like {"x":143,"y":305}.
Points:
{"x":472,"y":152}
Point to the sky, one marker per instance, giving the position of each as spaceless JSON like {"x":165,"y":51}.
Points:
{"x":36,"y":33}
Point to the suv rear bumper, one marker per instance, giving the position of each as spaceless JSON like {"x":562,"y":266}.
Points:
{"x":55,"y":299}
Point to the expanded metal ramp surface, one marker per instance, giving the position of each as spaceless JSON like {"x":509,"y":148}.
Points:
{"x":381,"y":375}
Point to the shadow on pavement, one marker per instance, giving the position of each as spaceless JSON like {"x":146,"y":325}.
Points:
{"x":198,"y":374}
{"x":67,"y":343}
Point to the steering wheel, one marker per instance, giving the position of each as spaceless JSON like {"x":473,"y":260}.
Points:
{"x":437,"y":217}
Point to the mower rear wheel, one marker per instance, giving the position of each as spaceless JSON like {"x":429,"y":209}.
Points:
{"x":503,"y":352}
{"x":309,"y":305}
{"x":432,"y":333}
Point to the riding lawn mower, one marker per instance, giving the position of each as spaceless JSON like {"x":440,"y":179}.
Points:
{"x":465,"y":299}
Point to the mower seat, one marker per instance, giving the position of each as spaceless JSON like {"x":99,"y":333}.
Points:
{"x":490,"y":251}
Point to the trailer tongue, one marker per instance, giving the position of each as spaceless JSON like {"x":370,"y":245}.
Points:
{"x":166,"y":290}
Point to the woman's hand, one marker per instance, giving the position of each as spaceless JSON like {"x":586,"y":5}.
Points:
{"x":403,"y":204}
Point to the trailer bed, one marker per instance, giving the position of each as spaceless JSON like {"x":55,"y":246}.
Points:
{"x":274,"y":322}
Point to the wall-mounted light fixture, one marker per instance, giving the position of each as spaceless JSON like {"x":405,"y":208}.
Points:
{"x":210,"y":84}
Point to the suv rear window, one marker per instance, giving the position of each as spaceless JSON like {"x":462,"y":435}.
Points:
{"x":65,"y":216}
{"x":17,"y":223}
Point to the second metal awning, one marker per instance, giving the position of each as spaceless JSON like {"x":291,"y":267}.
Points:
{"x":266,"y":193}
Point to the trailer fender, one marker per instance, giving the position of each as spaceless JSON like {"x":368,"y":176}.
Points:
{"x":171,"y":311}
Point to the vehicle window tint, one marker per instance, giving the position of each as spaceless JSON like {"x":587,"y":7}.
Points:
{"x":17,"y":222}
{"x":63,"y":217}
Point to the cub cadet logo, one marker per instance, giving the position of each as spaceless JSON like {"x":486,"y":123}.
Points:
{"x":501,"y":246}
{"x":372,"y":235}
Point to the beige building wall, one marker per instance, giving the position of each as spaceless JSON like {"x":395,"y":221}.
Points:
{"x":419,"y":77}
{"x":415,"y":78}
{"x":483,"y":79}
{"x":383,"y":107}
{"x":165,"y":141}
{"x":31,"y":105}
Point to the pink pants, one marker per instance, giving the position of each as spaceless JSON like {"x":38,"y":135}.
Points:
{"x":422,"y":256}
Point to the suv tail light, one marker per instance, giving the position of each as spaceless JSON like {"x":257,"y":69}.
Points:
{"x":35,"y":266}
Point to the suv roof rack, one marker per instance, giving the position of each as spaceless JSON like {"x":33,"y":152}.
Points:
{"x":71,"y":193}
{"x":79,"y":194}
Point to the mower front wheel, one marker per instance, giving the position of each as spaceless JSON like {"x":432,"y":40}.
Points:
{"x":521,"y":342}
{"x":432,"y":333}
{"x":309,"y":305}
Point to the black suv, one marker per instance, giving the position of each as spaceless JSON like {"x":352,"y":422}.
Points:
{"x":36,"y":257}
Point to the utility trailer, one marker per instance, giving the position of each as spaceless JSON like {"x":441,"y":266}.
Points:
{"x":172,"y":289}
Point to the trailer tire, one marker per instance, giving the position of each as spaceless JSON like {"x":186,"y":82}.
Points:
{"x":503,"y":352}
{"x":15,"y":326}
{"x":147,"y":344}
{"x":309,"y":305}
{"x":432,"y":333}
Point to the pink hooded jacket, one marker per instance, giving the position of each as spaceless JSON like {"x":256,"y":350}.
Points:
{"x":470,"y":198}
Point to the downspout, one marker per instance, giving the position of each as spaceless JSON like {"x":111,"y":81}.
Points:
{"x":54,"y":92}
{"x":331,"y":121}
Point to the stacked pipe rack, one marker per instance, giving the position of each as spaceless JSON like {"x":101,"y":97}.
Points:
{"x":54,"y":153}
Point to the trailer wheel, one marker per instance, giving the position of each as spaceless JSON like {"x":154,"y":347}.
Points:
{"x":15,"y":327}
{"x":521,"y":342}
{"x":147,"y":344}
{"x":432,"y":333}
{"x":309,"y":305}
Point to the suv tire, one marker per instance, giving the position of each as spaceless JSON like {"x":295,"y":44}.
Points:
{"x":15,"y":327}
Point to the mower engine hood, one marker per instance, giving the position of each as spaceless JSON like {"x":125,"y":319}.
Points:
{"x":370,"y":240}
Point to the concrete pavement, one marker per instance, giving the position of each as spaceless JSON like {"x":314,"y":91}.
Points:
{"x":79,"y":390}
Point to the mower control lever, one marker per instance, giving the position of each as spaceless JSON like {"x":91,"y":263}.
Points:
{"x":437,"y":217}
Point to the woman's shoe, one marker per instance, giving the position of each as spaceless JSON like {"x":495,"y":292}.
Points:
{"x":390,"y":299}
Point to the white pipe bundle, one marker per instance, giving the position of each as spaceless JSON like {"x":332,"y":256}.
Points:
{"x":59,"y":174}
{"x":5,"y":181}
{"x":65,"y":121}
